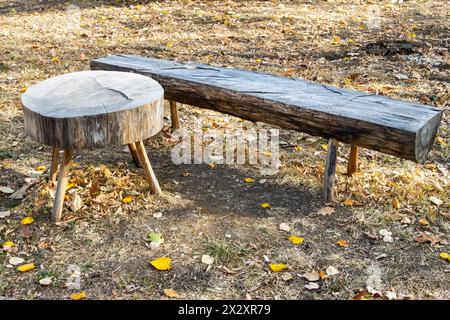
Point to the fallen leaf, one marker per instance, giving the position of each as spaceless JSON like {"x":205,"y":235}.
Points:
{"x":26,"y":267}
{"x":46,"y":281}
{"x":424,"y":237}
{"x":265,"y":205}
{"x":286,"y":276}
{"x":5,"y":214}
{"x":15,"y":261}
{"x":206,"y":259}
{"x":76,"y":203}
{"x":78,"y":296}
{"x":6,"y":190}
{"x":277,"y":267}
{"x":342,"y":243}
{"x":391,"y":295}
{"x":322,"y":275}
{"x":396,"y":203}
{"x":41,"y":168}
{"x":70,"y":186}
{"x":24,"y":89}
{"x":312,"y":286}
{"x":249,"y":180}
{"x":324,"y":147}
{"x":435,"y":200}
{"x":8,"y":244}
{"x":445,"y":256}
{"x":312,"y":276}
{"x":157,"y":215}
{"x":284,"y":227}
{"x":424,"y":222}
{"x":349,"y":202}
{"x":363,"y":295}
{"x":325,"y":211}
{"x":387,"y":235}
{"x":170,"y":293}
{"x":127,"y":199}
{"x":162,"y":263}
{"x":27,"y":220}
{"x":296,"y":240}
{"x":331,"y":271}
{"x":156,"y":239}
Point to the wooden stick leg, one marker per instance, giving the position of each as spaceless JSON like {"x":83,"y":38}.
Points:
{"x":54,"y":166}
{"x":174,"y":115}
{"x":330,"y":170}
{"x":61,"y":188}
{"x":154,"y":185}
{"x":352,"y":165}
{"x":134,"y":154}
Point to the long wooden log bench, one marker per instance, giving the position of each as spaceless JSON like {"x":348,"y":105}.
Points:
{"x":403,"y":129}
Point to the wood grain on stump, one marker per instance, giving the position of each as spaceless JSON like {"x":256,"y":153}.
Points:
{"x":92,"y":109}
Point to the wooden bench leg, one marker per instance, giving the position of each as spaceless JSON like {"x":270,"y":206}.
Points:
{"x":54,"y":165}
{"x":134,"y":154}
{"x":174,"y":115}
{"x":154,"y":185}
{"x":352,"y":165}
{"x":62,"y":184}
{"x":330,"y":170}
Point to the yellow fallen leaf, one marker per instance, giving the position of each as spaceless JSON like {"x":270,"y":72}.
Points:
{"x":277,"y":267}
{"x":161,"y":263}
{"x":441,"y":141}
{"x":396,"y":203}
{"x":55,"y":59}
{"x":27,"y":220}
{"x":445,"y":256}
{"x":41,"y":168}
{"x":298,"y":148}
{"x":324,"y":147}
{"x":424,"y":222}
{"x":24,"y":89}
{"x":349,"y":202}
{"x":249,"y":180}
{"x":8,"y":243}
{"x":26,"y":267}
{"x":139,"y":6}
{"x":78,"y":296}
{"x":265,"y":205}
{"x":127,"y":199}
{"x":259,"y":60}
{"x":170,"y":293}
{"x":169,"y":45}
{"x":70,"y":186}
{"x":411,"y":35}
{"x":342,"y":243}
{"x":296,"y":240}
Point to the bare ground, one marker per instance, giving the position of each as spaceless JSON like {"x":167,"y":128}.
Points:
{"x":213,"y":211}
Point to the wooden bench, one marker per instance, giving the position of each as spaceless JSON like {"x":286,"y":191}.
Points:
{"x":403,"y":129}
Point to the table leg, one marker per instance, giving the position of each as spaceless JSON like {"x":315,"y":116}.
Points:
{"x":154,"y":185}
{"x":62,"y":184}
{"x":134,"y":154}
{"x":352,"y":165}
{"x":54,"y":166}
{"x":330,"y":171}
{"x":174,"y":115}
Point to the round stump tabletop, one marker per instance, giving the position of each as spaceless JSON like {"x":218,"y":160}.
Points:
{"x":90,"y":109}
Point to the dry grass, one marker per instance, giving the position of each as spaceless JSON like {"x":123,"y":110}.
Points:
{"x":212,"y":211}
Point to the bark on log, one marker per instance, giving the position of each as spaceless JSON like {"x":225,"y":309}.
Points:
{"x":399,"y":128}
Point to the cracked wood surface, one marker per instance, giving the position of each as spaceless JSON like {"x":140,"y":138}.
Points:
{"x":91,"y":109}
{"x":395,"y":127}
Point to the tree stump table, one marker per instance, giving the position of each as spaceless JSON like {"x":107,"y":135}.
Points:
{"x":93,"y":109}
